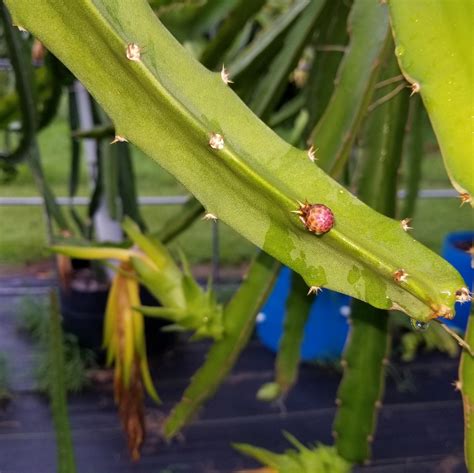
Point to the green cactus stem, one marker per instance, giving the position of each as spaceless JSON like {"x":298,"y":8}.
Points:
{"x":270,"y":88}
{"x":360,"y":393}
{"x":356,"y":77}
{"x":180,"y":114}
{"x":57,"y":391}
{"x":321,"y":81}
{"x":414,"y":157}
{"x":466,"y":386}
{"x":238,"y":17}
{"x":434,"y":48}
{"x":298,"y":307}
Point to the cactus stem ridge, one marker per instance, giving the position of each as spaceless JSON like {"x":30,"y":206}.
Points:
{"x":216,"y":141}
{"x":133,"y":52}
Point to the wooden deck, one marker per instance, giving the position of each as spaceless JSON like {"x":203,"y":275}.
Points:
{"x":419,"y":431}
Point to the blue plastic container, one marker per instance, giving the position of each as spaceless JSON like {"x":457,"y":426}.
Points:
{"x":455,"y":251}
{"x":326,"y":329}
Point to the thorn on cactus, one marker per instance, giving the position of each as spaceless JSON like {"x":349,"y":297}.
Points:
{"x":415,"y":88}
{"x":314,"y":290}
{"x":465,"y":198}
{"x":119,"y":139}
{"x":312,"y":153}
{"x":225,"y":76}
{"x":209,"y":216}
{"x":463,"y":295}
{"x":23,"y":30}
{"x":400,"y":275}
{"x":133,"y":52}
{"x":457,"y":385}
{"x":317,"y":218}
{"x":216,"y":141}
{"x":406,"y":224}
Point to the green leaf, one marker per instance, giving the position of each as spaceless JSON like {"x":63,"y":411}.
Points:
{"x":434,"y":49}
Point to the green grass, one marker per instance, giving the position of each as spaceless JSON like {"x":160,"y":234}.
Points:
{"x":23,"y":231}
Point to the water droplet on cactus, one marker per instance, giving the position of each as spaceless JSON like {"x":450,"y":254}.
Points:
{"x":399,"y":50}
{"x":418,"y":325}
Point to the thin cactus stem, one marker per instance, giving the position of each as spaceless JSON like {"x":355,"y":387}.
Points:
{"x":238,"y":17}
{"x":57,"y":391}
{"x":466,"y":386}
{"x":414,"y":157}
{"x":359,"y":396}
{"x":28,"y":146}
{"x":356,"y":78}
{"x":298,"y":306}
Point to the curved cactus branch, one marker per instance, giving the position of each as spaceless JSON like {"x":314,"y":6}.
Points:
{"x":189,"y":120}
{"x":434,"y":49}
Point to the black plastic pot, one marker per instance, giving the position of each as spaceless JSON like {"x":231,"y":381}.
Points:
{"x":83,"y":316}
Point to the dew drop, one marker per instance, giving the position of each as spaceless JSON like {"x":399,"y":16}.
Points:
{"x":418,"y":325}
